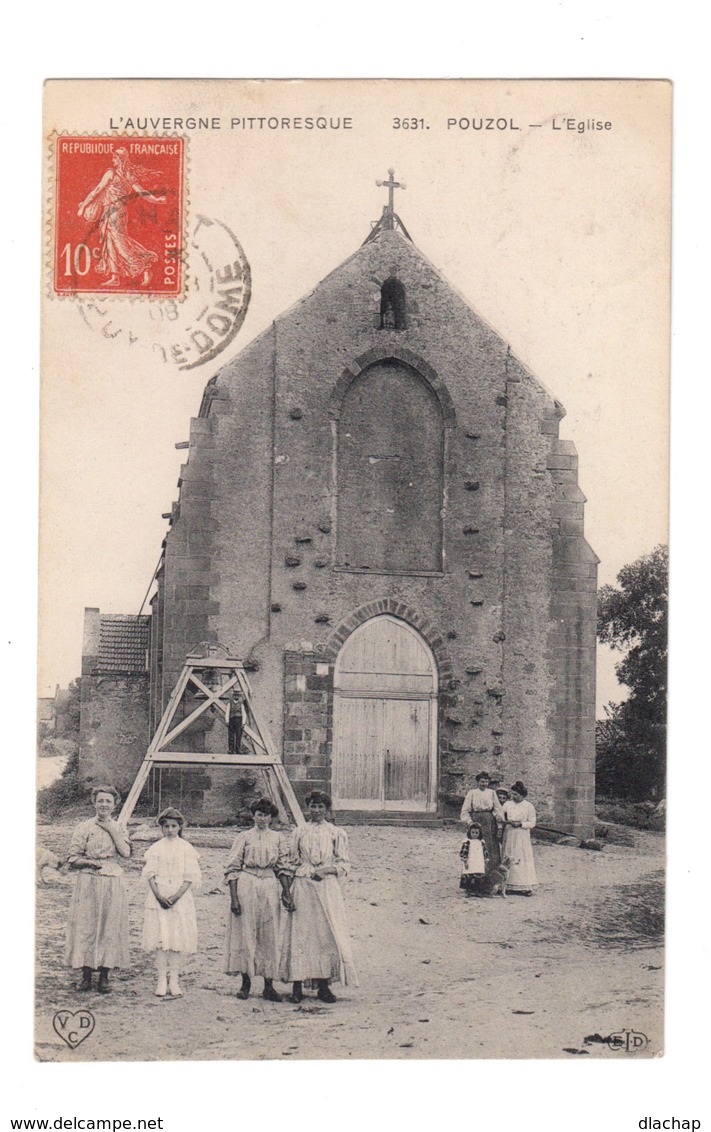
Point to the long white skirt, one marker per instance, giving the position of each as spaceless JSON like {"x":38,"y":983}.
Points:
{"x":517,"y":846}
{"x":252,"y":944}
{"x":316,"y":941}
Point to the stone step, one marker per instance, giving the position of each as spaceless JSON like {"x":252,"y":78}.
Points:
{"x":394,"y":818}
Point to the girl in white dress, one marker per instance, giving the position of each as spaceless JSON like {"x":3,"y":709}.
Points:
{"x":519,"y":820}
{"x":257,"y":873}
{"x":172,"y":870}
{"x":317,"y":944}
{"x":475,"y":861}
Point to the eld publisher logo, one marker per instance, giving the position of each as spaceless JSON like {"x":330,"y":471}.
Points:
{"x":627,"y":1041}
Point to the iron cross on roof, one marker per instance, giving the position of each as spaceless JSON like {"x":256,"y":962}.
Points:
{"x":389,"y":210}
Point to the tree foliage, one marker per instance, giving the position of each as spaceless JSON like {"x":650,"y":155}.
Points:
{"x":631,"y":739}
{"x":61,"y":737}
{"x":68,"y":711}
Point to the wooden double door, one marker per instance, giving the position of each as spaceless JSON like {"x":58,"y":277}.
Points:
{"x":385,"y":720}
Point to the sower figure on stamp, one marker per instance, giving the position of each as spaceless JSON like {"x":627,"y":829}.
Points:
{"x":121,"y":255}
{"x":317,"y":946}
{"x":97,"y":928}
{"x":257,"y":869}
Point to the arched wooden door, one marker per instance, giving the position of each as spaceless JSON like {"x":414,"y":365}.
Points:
{"x":385,"y":720}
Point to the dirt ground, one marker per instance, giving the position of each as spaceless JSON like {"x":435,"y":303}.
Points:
{"x":441,"y":976}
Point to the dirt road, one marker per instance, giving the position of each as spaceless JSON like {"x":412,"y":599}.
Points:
{"x":440,"y":976}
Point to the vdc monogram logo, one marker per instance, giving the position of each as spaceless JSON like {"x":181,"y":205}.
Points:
{"x":628,"y":1041}
{"x":73,"y":1026}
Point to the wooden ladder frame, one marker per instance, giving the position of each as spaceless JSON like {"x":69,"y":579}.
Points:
{"x":263,"y":753}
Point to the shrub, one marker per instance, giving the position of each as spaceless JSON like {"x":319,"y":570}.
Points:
{"x":59,"y":748}
{"x":65,"y":791}
{"x":638,"y":815}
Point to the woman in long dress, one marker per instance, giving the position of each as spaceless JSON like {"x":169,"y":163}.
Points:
{"x":519,"y":820}
{"x":97,"y":927}
{"x":317,"y":944}
{"x":482,"y":807}
{"x":172,"y":870}
{"x":257,"y":873}
{"x":107,"y":203}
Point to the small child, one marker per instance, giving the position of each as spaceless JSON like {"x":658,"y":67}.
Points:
{"x":475,"y":861}
{"x":170,"y":926}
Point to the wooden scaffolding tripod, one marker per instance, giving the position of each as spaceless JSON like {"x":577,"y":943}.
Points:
{"x":220,"y":685}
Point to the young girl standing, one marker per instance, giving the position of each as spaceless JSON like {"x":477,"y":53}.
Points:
{"x":475,"y":862}
{"x":170,"y":926}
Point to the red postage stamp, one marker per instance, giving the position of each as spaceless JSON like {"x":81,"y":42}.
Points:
{"x":119,"y":214}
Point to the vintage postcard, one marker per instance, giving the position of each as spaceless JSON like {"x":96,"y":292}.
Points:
{"x":352,"y":673}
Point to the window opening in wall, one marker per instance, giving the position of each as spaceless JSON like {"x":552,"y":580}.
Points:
{"x":392,"y":305}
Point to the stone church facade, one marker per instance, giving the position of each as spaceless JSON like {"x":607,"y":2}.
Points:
{"x":379,"y":517}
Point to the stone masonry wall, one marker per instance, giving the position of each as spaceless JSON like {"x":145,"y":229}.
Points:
{"x":188,"y":570}
{"x":308,"y":722}
{"x":113,"y":733}
{"x":572,"y":644}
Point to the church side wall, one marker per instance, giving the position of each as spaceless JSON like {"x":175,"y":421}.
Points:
{"x":528,"y":680}
{"x":573,"y":647}
{"x":242,"y":416}
{"x":188,"y":561}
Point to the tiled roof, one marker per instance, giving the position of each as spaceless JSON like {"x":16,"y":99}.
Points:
{"x":123,"y":643}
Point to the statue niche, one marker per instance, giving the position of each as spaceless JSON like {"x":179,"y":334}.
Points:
{"x":393,"y":314}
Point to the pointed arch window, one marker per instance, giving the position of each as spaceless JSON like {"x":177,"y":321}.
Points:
{"x":390,"y":473}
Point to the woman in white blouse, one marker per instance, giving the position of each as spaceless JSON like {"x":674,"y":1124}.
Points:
{"x":482,"y":807}
{"x":519,"y":820}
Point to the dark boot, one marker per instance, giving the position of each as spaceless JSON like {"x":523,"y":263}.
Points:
{"x":103,"y":987}
{"x":85,"y":984}
{"x":297,"y":993}
{"x":269,"y":993}
{"x":324,"y":992}
{"x":244,"y":990}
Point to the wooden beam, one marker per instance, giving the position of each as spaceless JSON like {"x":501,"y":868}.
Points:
{"x":215,"y":757}
{"x":247,"y":730}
